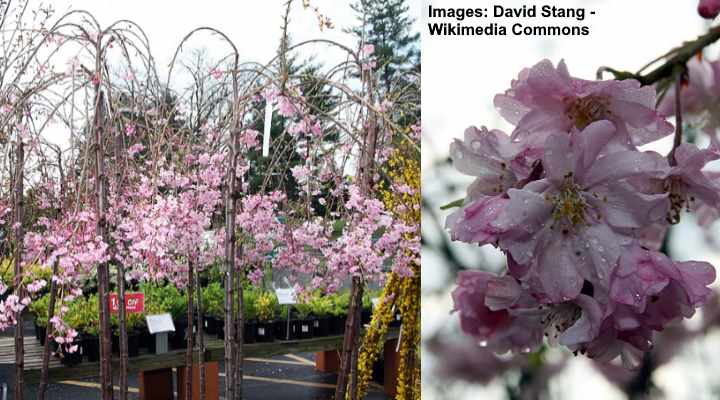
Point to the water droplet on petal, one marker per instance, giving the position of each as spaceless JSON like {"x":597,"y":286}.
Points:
{"x":483,"y":343}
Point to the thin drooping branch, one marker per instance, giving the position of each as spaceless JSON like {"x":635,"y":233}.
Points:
{"x":678,"y":59}
{"x":677,"y":139}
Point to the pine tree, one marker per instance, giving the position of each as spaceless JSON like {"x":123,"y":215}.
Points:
{"x":387,"y":25}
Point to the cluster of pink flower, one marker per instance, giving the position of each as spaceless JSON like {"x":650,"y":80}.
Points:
{"x":372,"y":240}
{"x":578,"y":210}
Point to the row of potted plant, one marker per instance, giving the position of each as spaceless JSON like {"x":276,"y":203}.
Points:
{"x":265,"y":320}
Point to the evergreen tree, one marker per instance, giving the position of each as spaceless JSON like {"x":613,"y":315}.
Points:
{"x":386,"y":25}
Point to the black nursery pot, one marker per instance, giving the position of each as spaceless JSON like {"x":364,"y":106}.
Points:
{"x":147,"y":340}
{"x":365,"y":316}
{"x":211,"y":324}
{"x":250,"y":332}
{"x":321,"y":326}
{"x":337,"y":325}
{"x":378,"y":371}
{"x":91,"y":347}
{"x":305,"y":328}
{"x":265,"y":332}
{"x":133,"y":344}
{"x":41,"y":333}
{"x":178,"y":338}
{"x":71,"y":359}
{"x":280,"y":329}
{"x":397,"y":320}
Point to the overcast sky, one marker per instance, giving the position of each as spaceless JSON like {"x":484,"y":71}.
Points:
{"x":254,"y":26}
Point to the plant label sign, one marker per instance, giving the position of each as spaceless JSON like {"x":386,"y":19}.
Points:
{"x":134,"y":303}
{"x":160,"y":323}
{"x":286,"y":296}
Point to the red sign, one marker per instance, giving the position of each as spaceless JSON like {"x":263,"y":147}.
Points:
{"x":134,"y":303}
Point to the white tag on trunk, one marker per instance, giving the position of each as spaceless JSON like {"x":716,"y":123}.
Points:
{"x":261,"y":331}
{"x":267,"y":125}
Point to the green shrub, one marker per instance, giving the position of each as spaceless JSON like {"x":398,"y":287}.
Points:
{"x":340,"y":304}
{"x":213,"y":300}
{"x":266,"y":304}
{"x":250,"y":298}
{"x":321,"y":305}
{"x":165,"y":297}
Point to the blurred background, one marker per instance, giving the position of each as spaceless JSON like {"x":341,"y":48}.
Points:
{"x":462,"y":74}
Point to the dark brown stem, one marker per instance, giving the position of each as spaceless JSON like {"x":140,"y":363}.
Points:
{"x":355,"y":353}
{"x":350,"y":341}
{"x":17,"y":282}
{"x":42,"y":387}
{"x":677,"y":140}
{"x":122,"y":313}
{"x":189,"y":334}
{"x":680,"y":57}
{"x":239,"y":334}
{"x":365,"y":174}
{"x":230,"y":251}
{"x":106,"y":387}
{"x":201,"y":340}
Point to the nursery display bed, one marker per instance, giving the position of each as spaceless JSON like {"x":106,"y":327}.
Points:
{"x":147,"y":361}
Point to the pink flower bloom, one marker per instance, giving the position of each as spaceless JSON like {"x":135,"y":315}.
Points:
{"x":644,"y":275}
{"x":130,"y":129}
{"x":545,"y":98}
{"x":709,"y":8}
{"x":568,"y":226}
{"x":135,"y":149}
{"x":216,"y":73}
{"x":688,"y":185}
{"x":503,"y":316}
{"x":367,"y":50}
{"x":699,"y":97}
{"x":286,"y":107}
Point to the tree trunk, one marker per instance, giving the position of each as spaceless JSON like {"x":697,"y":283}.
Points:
{"x":42,"y":387}
{"x":189,"y":333}
{"x":122,"y":313}
{"x":201,"y":341}
{"x":17,"y":282}
{"x":106,"y":387}
{"x":355,"y":352}
{"x":239,"y":335}
{"x":364,"y":174}
{"x":230,"y":251}
{"x":350,"y":341}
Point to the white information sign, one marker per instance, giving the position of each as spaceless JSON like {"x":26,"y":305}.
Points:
{"x":286,"y":296}
{"x":160,"y":323}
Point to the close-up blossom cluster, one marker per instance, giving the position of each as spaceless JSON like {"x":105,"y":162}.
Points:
{"x":580,"y":212}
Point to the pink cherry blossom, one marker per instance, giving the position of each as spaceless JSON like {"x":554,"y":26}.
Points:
{"x":546,"y":98}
